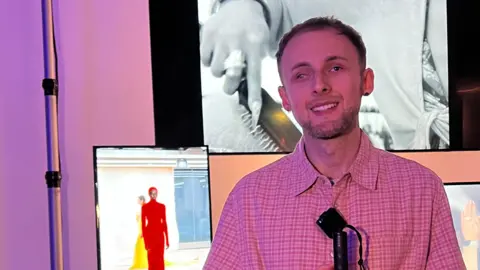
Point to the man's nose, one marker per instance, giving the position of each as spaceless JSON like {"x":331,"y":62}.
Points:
{"x":321,"y":85}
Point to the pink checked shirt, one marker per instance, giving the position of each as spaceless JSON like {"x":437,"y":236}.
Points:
{"x":400,"y":207}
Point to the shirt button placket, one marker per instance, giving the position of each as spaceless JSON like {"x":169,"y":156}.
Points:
{"x":328,"y":191}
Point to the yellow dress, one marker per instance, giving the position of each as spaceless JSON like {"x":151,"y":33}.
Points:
{"x":140,"y":259}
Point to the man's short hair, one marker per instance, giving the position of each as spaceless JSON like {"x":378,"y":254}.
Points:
{"x":322,"y":23}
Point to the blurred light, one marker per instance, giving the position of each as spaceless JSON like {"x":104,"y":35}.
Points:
{"x":182,"y":163}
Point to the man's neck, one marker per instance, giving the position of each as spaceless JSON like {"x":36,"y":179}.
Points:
{"x":333,"y":157}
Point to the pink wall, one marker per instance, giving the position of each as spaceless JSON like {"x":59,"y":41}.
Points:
{"x":106,"y":98}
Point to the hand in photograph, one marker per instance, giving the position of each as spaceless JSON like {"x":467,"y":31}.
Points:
{"x":237,"y":34}
{"x":470,"y":222}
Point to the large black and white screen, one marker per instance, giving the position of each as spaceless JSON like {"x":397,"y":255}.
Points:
{"x":406,"y":43}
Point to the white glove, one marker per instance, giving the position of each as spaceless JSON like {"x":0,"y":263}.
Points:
{"x":233,"y":39}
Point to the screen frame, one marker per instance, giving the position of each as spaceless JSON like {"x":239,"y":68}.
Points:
{"x":178,"y":34}
{"x":450,"y":166}
{"x":96,"y":148}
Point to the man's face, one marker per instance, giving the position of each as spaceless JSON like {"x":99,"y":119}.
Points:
{"x":323,"y":83}
{"x":153,"y":194}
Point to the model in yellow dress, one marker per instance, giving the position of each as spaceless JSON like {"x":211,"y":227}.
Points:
{"x":140,"y":260}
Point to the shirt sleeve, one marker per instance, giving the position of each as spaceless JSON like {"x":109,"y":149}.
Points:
{"x":165,"y":225}
{"x":224,"y":252}
{"x":444,"y":248}
{"x":280,"y":22}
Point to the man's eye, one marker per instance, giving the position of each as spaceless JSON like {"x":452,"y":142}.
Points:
{"x":336,"y":68}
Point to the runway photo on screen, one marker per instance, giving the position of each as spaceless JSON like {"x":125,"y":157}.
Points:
{"x":153,"y":208}
{"x":406,"y":43}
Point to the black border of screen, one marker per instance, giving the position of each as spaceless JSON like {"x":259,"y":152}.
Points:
{"x":95,"y":181}
{"x":174,"y":34}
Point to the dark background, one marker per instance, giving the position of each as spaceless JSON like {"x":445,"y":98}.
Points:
{"x":177,"y":87}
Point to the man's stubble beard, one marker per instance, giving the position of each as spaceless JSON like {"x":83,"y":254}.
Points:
{"x":332,"y":129}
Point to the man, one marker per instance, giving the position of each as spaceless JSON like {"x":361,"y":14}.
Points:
{"x":399,"y":206}
{"x":407,"y":40}
{"x":155,"y":231}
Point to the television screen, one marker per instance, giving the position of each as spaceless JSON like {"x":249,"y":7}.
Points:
{"x":145,"y":193}
{"x":406,"y":43}
{"x":464,"y":201}
{"x":456,"y":168}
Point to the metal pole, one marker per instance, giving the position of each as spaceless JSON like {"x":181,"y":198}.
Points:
{"x":53,"y":175}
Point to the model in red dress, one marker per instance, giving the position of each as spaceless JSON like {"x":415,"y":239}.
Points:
{"x":155,"y":231}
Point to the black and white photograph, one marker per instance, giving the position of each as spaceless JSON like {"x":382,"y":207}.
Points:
{"x":128,"y":179}
{"x":406,"y":42}
{"x":465,"y":204}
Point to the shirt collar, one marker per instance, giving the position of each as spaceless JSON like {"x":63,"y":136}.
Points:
{"x":364,"y":169}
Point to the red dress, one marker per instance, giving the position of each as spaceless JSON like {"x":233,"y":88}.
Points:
{"x":155,"y":233}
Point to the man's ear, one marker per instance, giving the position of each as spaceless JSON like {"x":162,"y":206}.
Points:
{"x":284,"y":97}
{"x":368,"y":81}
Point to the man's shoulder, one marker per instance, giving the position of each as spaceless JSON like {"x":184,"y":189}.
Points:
{"x":408,"y":171}
{"x":264,"y":177}
{"x":398,"y":162}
